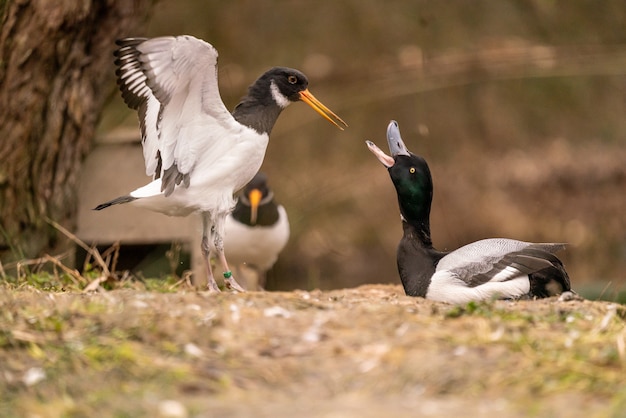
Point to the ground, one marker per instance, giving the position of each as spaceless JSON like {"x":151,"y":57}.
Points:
{"x":363,"y":352}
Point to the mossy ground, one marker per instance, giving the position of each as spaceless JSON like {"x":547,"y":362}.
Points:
{"x":169,"y":350}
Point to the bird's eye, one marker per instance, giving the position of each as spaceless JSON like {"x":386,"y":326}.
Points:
{"x":292,"y":79}
{"x":412,"y":170}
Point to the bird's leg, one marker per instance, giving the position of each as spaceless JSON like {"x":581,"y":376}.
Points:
{"x":206,"y":253}
{"x":229,"y":280}
{"x":217,"y":233}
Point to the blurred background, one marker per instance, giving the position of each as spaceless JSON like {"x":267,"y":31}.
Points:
{"x":518,"y":106}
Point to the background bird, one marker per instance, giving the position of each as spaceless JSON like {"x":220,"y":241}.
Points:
{"x":198,"y":153}
{"x":257,"y":230}
{"x":484,"y":269}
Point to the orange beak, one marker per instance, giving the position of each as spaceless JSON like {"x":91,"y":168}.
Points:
{"x":329,"y":115}
{"x":255,"y":198}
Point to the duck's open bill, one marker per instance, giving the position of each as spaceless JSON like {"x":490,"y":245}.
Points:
{"x":329,"y":115}
{"x":386,"y":160}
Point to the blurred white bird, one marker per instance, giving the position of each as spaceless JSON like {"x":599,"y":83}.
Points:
{"x":256,"y":232}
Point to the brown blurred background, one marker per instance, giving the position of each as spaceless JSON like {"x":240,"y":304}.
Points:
{"x":518,"y":106}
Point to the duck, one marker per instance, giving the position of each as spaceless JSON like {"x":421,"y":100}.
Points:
{"x":257,"y":231}
{"x":197,"y":152}
{"x":488,"y":269}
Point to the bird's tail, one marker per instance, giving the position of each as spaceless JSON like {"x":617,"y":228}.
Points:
{"x":116,"y":201}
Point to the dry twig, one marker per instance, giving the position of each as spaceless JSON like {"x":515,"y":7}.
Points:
{"x":91,"y":251}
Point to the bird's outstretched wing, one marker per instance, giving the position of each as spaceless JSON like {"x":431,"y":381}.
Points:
{"x":172,"y":83}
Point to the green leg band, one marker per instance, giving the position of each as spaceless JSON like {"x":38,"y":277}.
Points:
{"x":228,"y":274}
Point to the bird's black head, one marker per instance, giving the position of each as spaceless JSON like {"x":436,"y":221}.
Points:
{"x":259,"y":183}
{"x":284,"y":84}
{"x":410,"y":176}
{"x":256,"y":204}
{"x":274,"y":91}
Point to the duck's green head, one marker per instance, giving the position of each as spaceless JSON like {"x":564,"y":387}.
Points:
{"x":410,"y":176}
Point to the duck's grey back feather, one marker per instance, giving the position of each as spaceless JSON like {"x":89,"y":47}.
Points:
{"x":498,"y":259}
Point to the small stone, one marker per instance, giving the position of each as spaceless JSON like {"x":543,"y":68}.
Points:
{"x":33,"y":376}
{"x":234,"y":313}
{"x":276,"y":311}
{"x":172,"y":409}
{"x":193,"y":350}
{"x":139,"y":304}
{"x":460,"y":351}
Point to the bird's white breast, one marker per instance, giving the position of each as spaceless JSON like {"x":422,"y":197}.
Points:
{"x":223,"y":166}
{"x":258,"y":245}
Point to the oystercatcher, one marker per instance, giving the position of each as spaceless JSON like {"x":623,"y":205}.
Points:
{"x":485,"y":269}
{"x":257,"y":230}
{"x":198,"y":153}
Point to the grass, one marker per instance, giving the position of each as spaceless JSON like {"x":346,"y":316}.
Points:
{"x":126,"y":351}
{"x":107,"y":343}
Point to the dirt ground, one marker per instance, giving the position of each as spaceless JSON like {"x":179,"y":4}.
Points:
{"x":363,"y":352}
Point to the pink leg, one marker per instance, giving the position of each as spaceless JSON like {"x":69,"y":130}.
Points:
{"x":206,"y":252}
{"x":229,"y":280}
{"x":217,"y":232}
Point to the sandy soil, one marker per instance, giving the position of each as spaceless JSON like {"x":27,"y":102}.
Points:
{"x":363,"y":352}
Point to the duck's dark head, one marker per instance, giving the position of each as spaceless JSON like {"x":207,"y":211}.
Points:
{"x":410,"y":176}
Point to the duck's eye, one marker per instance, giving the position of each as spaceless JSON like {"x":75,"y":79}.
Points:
{"x":412,"y":170}
{"x":292,"y":79}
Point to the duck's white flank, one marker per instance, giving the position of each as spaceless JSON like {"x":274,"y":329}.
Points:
{"x":447,"y":287}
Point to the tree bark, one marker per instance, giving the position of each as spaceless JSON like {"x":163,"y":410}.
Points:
{"x":56,"y":71}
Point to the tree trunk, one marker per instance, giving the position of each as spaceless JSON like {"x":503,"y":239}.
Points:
{"x":56,"y":71}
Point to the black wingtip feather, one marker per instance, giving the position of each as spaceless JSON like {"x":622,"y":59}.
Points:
{"x":117,"y":201}
{"x":130,"y":41}
{"x":128,"y":63}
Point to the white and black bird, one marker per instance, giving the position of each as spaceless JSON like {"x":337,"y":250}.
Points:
{"x":485,"y":269}
{"x":257,"y":230}
{"x":198,"y":153}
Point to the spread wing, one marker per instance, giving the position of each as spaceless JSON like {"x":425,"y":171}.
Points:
{"x":172,"y":83}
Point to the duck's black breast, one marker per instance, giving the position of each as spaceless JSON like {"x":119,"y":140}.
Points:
{"x":416,"y":263}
